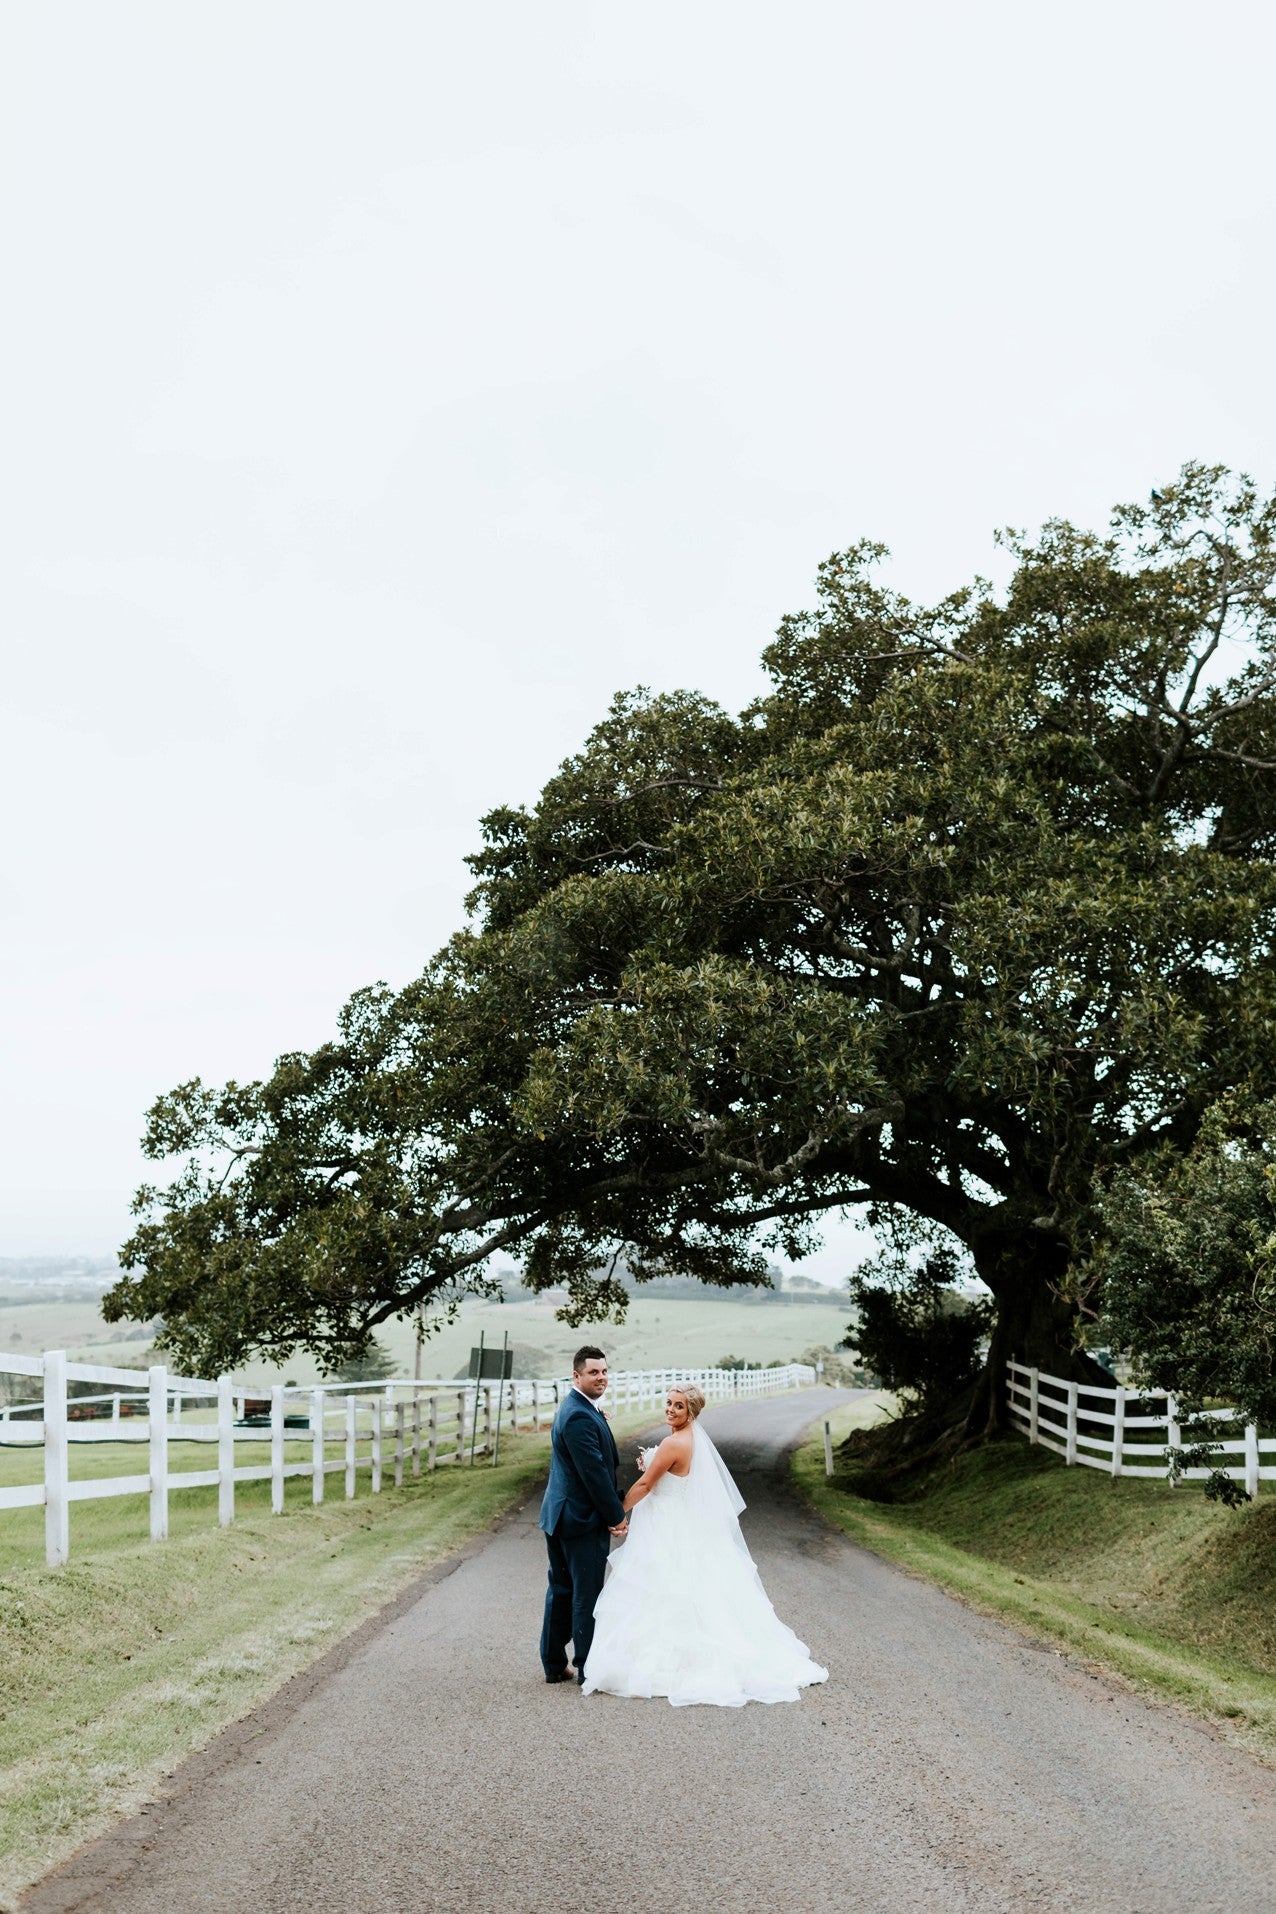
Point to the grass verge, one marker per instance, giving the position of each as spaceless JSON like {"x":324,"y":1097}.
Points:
{"x":1152,"y":1583}
{"x":117,"y":1666}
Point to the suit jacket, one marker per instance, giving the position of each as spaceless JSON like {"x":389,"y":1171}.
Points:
{"x":582,"y":1493}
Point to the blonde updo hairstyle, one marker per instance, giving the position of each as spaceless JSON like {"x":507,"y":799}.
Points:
{"x":693,"y":1397}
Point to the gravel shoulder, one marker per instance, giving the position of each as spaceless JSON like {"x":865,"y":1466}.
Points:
{"x":948,"y":1763}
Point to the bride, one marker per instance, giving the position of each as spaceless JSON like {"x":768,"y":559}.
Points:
{"x":684,"y":1613}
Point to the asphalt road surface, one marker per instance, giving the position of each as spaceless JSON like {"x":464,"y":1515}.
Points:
{"x":947,"y":1764}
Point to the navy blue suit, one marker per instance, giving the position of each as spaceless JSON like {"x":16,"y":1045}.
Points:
{"x":581,"y":1505}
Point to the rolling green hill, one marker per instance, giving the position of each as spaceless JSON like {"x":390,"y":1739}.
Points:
{"x":660,"y":1331}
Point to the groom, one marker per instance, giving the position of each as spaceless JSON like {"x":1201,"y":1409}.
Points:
{"x":580,"y":1513}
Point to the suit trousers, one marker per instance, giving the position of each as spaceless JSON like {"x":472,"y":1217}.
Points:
{"x":577,"y":1567}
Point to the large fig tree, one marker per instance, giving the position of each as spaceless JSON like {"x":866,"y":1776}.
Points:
{"x":976,"y":906}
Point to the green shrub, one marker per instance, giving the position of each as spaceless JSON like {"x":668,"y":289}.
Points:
{"x":914,"y":1333}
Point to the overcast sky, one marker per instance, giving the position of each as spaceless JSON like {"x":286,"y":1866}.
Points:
{"x":387,"y":385}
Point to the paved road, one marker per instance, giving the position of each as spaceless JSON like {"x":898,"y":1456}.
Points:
{"x":948,"y":1765}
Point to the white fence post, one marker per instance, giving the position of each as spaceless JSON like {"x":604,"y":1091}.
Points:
{"x":481,"y":1409}
{"x":57,"y":1528}
{"x":277,"y":1449}
{"x":317,"y":1454}
{"x":225,"y":1452}
{"x":157,"y":1412}
{"x":1247,"y":1467}
{"x":1172,"y":1436}
{"x":1118,"y":1429}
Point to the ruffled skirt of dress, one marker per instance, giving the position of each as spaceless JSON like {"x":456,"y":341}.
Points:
{"x":684,"y":1614}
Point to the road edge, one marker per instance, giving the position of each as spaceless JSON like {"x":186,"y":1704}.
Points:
{"x":104,"y":1861}
{"x":111,"y":1855}
{"x":1184,"y":1695}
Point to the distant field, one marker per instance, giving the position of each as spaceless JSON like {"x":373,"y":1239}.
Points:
{"x":659,"y":1332}
{"x":30,"y":1326}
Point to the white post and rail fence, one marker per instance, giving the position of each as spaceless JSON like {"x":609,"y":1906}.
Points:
{"x":1119,"y":1430}
{"x":394,"y":1428}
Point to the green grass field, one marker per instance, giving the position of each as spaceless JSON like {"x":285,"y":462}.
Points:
{"x":75,"y":1324}
{"x":1171,"y":1592}
{"x":658,"y":1332}
{"x":110,"y":1522}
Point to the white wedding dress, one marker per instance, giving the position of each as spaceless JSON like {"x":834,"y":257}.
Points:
{"x":684,"y":1612}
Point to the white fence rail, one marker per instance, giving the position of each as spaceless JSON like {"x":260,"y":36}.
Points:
{"x":1100,"y":1428}
{"x":397,"y":1427}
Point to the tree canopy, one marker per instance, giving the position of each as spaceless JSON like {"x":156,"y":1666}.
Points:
{"x":972,"y":909}
{"x":1187,"y":1258}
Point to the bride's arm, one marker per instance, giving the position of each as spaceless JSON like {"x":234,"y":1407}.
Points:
{"x":671,"y":1450}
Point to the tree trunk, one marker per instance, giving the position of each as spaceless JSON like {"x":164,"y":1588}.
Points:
{"x":1035,"y":1323}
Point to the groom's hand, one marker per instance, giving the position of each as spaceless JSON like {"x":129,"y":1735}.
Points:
{"x":621,"y":1528}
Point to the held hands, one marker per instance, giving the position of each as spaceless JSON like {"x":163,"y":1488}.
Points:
{"x":621,"y":1529}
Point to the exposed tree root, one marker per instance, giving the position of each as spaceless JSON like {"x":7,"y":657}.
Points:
{"x":887,"y":1461}
{"x":890,"y":1462}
